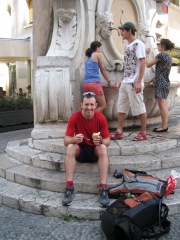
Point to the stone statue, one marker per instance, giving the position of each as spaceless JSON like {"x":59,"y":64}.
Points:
{"x":143,"y":32}
{"x":104,"y":23}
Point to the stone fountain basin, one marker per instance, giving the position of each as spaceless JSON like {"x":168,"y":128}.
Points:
{"x":153,"y":113}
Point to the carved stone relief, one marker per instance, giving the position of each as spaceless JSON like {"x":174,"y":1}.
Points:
{"x":54,"y":100}
{"x":67,"y":30}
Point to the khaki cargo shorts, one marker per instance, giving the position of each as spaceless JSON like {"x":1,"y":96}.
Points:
{"x":128,"y":98}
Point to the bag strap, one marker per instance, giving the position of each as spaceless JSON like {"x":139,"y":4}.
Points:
{"x":163,"y":211}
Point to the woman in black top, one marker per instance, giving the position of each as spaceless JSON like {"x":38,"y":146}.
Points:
{"x":163,"y":62}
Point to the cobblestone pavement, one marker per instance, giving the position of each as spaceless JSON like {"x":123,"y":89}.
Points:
{"x":18,"y":225}
{"x":6,"y":137}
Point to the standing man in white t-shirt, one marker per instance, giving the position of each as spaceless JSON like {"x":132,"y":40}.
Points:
{"x":131,"y":87}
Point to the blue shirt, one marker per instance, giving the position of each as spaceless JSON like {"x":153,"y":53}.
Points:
{"x":91,"y":71}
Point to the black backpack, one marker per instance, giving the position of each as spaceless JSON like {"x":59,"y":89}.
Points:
{"x":138,"y":218}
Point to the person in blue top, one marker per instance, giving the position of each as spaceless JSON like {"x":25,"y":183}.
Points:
{"x":92,"y":82}
{"x":163,"y":62}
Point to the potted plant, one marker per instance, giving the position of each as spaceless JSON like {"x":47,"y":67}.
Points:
{"x":14,"y":111}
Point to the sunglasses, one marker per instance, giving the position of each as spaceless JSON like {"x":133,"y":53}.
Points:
{"x":89,"y":93}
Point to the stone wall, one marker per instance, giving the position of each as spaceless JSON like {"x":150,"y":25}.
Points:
{"x":42,"y":28}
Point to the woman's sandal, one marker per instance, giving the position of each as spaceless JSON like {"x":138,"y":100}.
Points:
{"x":116,"y":136}
{"x":160,"y":130}
{"x":141,"y":136}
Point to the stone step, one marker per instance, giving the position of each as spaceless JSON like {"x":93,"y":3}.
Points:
{"x":48,"y":203}
{"x":49,"y":130}
{"x":155,"y":143}
{"x":21,"y":151}
{"x":53,"y":180}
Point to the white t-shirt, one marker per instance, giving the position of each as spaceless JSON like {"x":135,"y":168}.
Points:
{"x":133,"y":52}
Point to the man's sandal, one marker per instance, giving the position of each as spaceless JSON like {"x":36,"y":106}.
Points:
{"x":116,"y":136}
{"x":140,"y":137}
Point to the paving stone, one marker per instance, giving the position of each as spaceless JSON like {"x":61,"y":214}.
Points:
{"x":52,"y":145}
{"x":153,"y":144}
{"x":173,"y":202}
{"x":141,"y":162}
{"x":49,"y":131}
{"x":49,"y":160}
{"x":6,"y":163}
{"x":170,"y":158}
{"x":22,"y":153}
{"x":42,"y":202}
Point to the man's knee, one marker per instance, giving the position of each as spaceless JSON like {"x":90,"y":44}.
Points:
{"x":72,"y":149}
{"x":102,"y":150}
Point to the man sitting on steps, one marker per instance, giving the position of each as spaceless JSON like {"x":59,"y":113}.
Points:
{"x":84,"y":147}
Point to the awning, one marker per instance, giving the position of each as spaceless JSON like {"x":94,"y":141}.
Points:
{"x":12,"y":50}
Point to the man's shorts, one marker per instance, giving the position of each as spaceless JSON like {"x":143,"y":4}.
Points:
{"x":95,"y":87}
{"x":87,"y":155}
{"x":128,"y":98}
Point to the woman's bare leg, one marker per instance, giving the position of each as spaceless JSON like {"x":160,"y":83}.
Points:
{"x":163,"y":112}
{"x":101,"y":101}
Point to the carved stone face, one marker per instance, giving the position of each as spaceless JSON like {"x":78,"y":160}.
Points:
{"x":66,"y":15}
{"x":104,"y":24}
{"x":106,"y":29}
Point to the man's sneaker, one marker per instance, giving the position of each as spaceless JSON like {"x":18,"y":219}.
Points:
{"x":68,"y":196}
{"x":103,"y":197}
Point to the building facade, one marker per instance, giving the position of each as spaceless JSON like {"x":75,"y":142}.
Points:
{"x":15,"y":45}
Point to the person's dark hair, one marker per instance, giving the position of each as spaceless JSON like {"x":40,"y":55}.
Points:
{"x":132,"y":31}
{"x":94,"y":45}
{"x":88,"y":95}
{"x":167,"y":44}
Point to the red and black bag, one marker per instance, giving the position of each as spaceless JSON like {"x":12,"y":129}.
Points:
{"x":143,"y":217}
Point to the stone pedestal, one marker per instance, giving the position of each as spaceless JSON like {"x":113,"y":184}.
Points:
{"x":75,"y":24}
